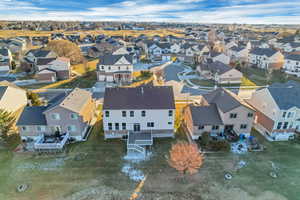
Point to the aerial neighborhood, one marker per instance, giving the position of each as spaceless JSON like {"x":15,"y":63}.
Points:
{"x":223,"y":88}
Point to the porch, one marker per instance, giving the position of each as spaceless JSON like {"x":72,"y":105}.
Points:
{"x":51,"y":143}
{"x":137,"y":143}
{"x":122,"y":76}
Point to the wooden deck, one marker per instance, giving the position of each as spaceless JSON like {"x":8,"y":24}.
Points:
{"x":140,"y":138}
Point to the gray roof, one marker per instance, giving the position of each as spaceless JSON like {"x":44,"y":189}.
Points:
{"x":286,"y":95}
{"x":32,"y":116}
{"x":293,"y":57}
{"x":44,"y":61}
{"x":237,"y":49}
{"x":73,"y":101}
{"x":295,"y":44}
{"x":144,"y":97}
{"x":2,"y":91}
{"x":4,"y":51}
{"x":39,"y":52}
{"x":109,"y":59}
{"x":263,"y":51}
{"x":216,"y":67}
{"x":205,"y":115}
{"x":222,"y":99}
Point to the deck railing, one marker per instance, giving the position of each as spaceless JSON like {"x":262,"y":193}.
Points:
{"x":41,"y":145}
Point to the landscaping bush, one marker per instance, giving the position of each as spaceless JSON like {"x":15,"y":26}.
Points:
{"x":222,"y":145}
{"x":204,"y":140}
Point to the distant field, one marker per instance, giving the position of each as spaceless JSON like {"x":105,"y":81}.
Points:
{"x":161,"y":32}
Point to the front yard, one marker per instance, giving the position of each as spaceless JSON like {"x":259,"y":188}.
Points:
{"x":93,"y":170}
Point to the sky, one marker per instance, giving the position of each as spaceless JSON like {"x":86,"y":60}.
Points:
{"x":193,"y":11}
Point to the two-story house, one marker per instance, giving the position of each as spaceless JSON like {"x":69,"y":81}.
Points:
{"x":220,"y":112}
{"x":115,"y":68}
{"x":266,"y":58}
{"x":238,"y":54}
{"x":5,"y":60}
{"x":30,"y":59}
{"x":277,"y":110}
{"x":292,"y":64}
{"x":139,"y":114}
{"x":53,"y":69}
{"x":220,"y":72}
{"x":66,"y":116}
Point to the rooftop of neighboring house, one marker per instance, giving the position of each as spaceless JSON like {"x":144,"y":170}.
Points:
{"x":214,"y":54}
{"x":144,"y":97}
{"x":295,"y":57}
{"x":295,"y":44}
{"x":286,"y":95}
{"x":44,"y":61}
{"x":224,"y":99}
{"x":205,"y":115}
{"x":237,"y":49}
{"x":164,"y":45}
{"x":32,"y":115}
{"x":216,"y":67}
{"x":39,"y":53}
{"x":4,"y":51}
{"x":263,"y":51}
{"x":109,"y":59}
{"x":73,"y":101}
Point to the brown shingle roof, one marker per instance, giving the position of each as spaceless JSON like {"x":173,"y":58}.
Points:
{"x":145,"y":97}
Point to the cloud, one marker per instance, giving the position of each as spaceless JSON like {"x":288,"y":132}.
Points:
{"x":199,"y":11}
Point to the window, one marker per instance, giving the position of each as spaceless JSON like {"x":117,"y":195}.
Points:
{"x":109,"y":68}
{"x":201,"y":127}
{"x":279,"y":125}
{"x":170,"y":113}
{"x":143,"y":113}
{"x":290,"y":115}
{"x":117,"y":126}
{"x":119,"y":68}
{"x":131,"y":113}
{"x":40,"y":128}
{"x":74,"y":116}
{"x":215,"y":127}
{"x":109,"y":126}
{"x":150,"y":124}
{"x":233,"y":115}
{"x":55,"y":116}
{"x":170,"y":123}
{"x":123,"y":126}
{"x":102,"y":67}
{"x":285,"y":125}
{"x":24,"y":128}
{"x":284,"y":114}
{"x":243,"y":126}
{"x":250,"y":114}
{"x":71,"y":128}
{"x":106,"y":113}
{"x":123,"y":113}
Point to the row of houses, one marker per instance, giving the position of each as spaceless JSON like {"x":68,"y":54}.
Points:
{"x":142,"y":114}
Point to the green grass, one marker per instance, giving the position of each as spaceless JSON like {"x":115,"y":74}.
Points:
{"x":101,"y":169}
{"x":205,"y":83}
{"x":262,"y":77}
{"x":85,"y":81}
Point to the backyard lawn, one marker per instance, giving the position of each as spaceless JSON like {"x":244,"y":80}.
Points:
{"x":93,"y":170}
{"x":262,"y":77}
